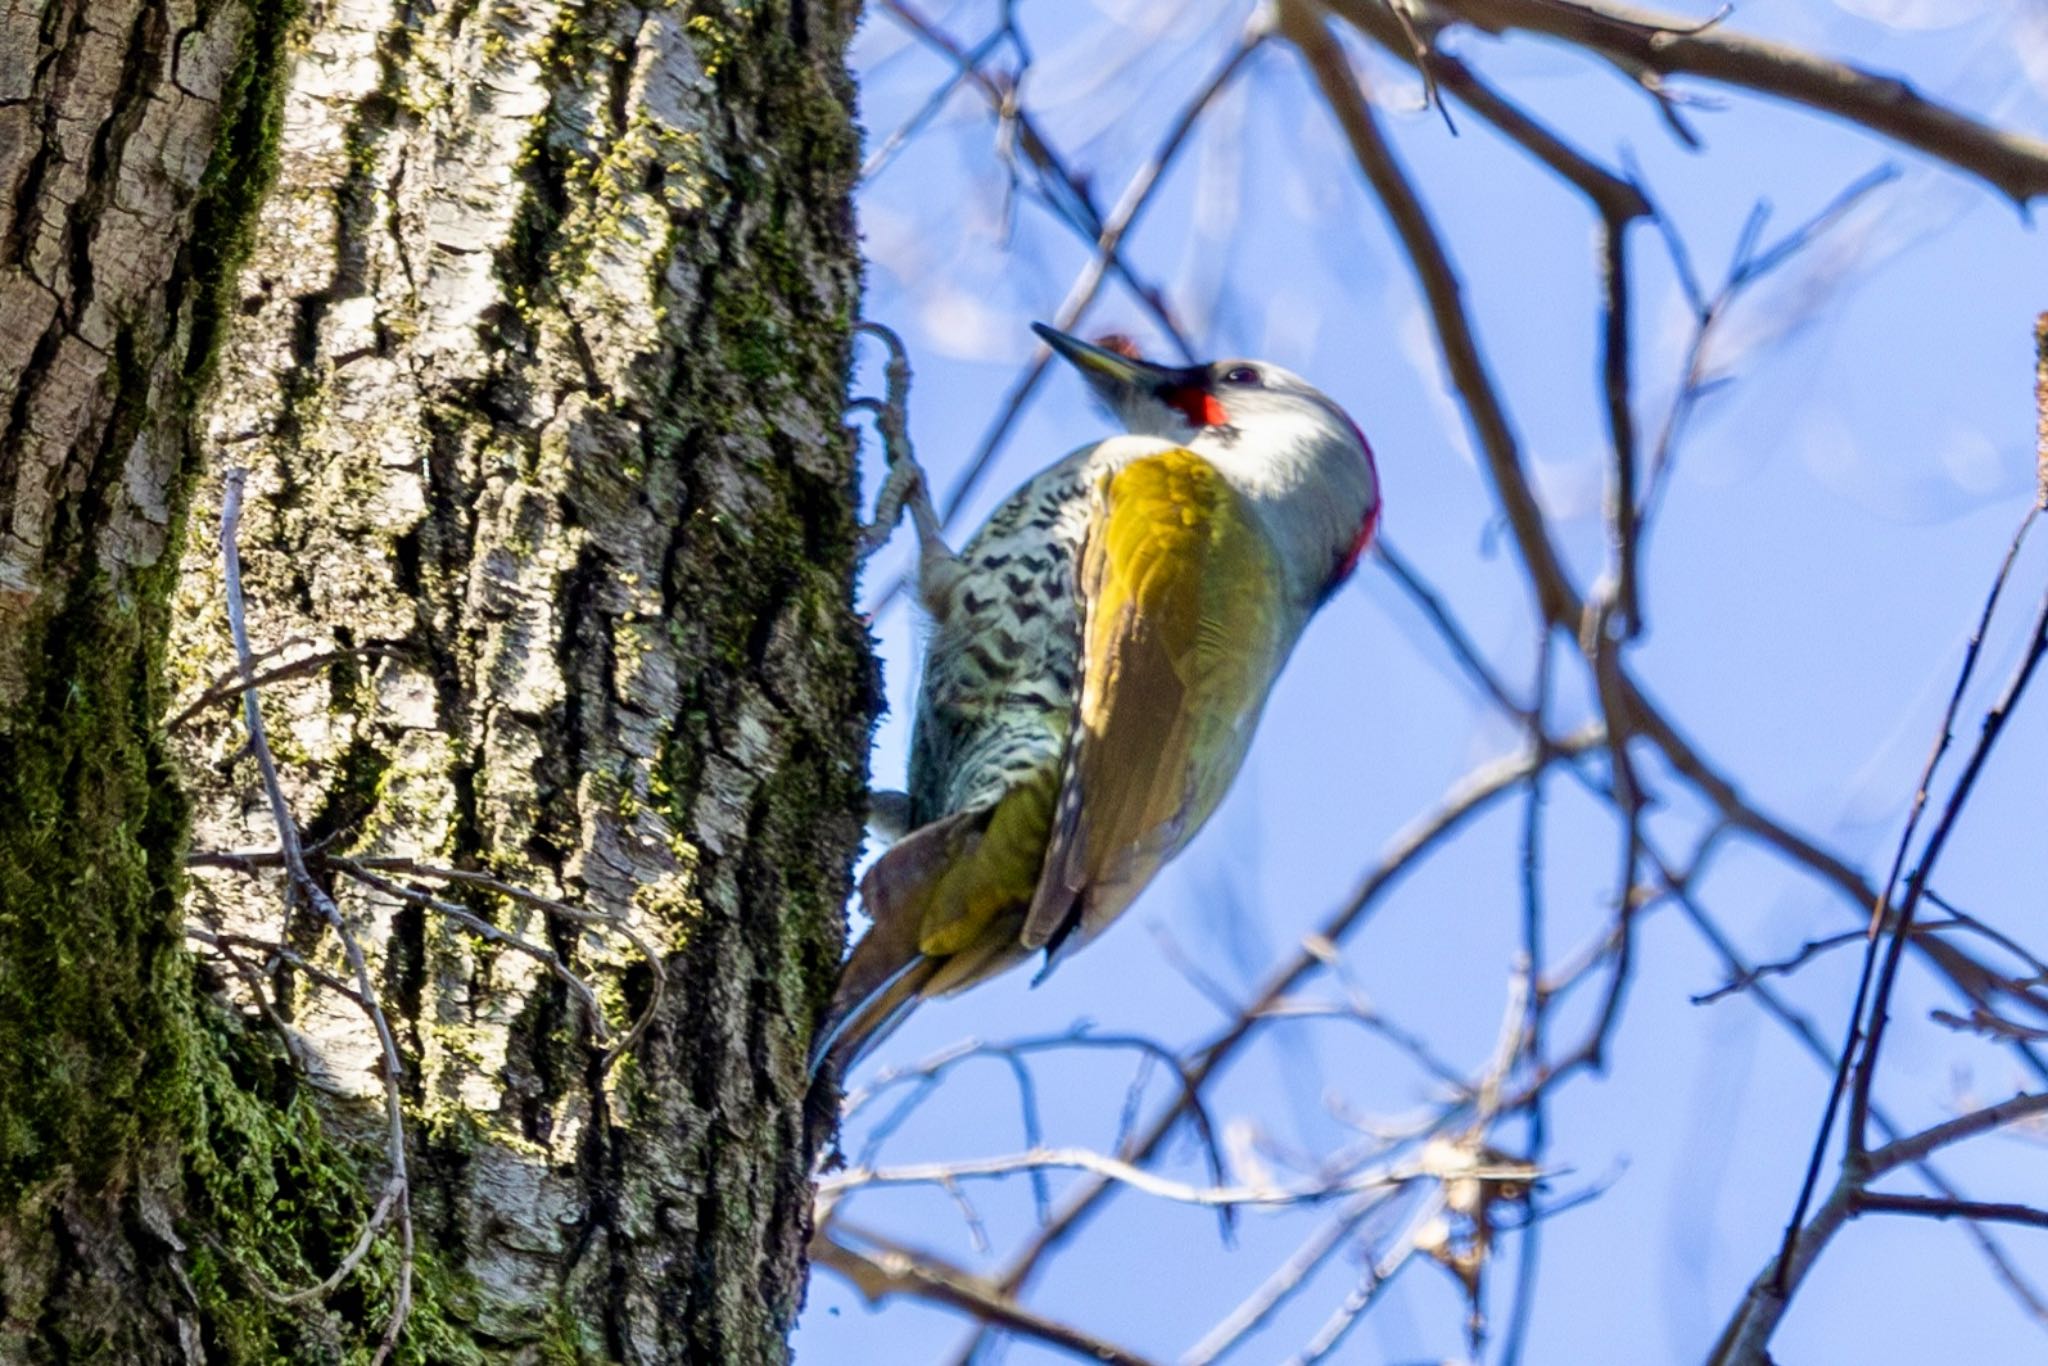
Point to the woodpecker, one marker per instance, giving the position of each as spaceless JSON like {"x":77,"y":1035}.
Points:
{"x":1100,"y":653}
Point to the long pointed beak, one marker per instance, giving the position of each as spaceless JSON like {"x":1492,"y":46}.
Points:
{"x":1106,"y":369}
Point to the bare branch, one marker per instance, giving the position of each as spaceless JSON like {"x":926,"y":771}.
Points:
{"x":1616,"y":199}
{"x":835,"y":1185}
{"x":1982,"y":1022}
{"x":1648,"y":45}
{"x":2041,"y":411}
{"x":893,"y":1270}
{"x":1746,"y":268}
{"x":1965,"y":921}
{"x":1941,"y":1207}
{"x":1915,"y":1147}
{"x":1462,"y":649}
{"x":1378,"y":1273}
{"x":1789,"y":964}
{"x":1284,"y":1280}
{"x":484,"y":929}
{"x":1373,"y":1022}
{"x":1517,"y":1080}
{"x":1107,"y":237}
{"x":1803,"y":1030}
{"x":1302,"y":24}
{"x":1748,"y":1332}
{"x":1622,"y":518}
{"x":1974,"y":981}
{"x":232,"y":684}
{"x":363,"y":869}
{"x":1534,"y":957}
{"x":1693,"y":767}
{"x":1994,"y":726}
{"x":1014,"y":1052}
{"x":1066,"y":193}
{"x":1477,"y":791}
{"x":225,"y":944}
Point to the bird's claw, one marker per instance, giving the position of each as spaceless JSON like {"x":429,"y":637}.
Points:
{"x":906,"y":485}
{"x":905,"y":481}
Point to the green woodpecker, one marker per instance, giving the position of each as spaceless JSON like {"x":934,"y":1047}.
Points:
{"x":1100,"y":654}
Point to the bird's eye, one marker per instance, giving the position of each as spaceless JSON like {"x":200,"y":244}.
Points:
{"x":1241,"y":374}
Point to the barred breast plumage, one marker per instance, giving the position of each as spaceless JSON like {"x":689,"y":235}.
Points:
{"x":1001,"y":671}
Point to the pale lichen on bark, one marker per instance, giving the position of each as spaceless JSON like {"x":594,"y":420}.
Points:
{"x":133,"y":139}
{"x":536,"y":367}
{"x":537,"y":362}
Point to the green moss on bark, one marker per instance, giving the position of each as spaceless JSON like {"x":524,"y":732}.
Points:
{"x":120,"y":1078}
{"x":92,"y":828}
{"x":91,"y":834}
{"x":121,"y":1087}
{"x":769,"y":598}
{"x":278,"y":1203}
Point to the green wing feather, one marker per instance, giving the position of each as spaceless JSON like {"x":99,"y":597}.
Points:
{"x":1182,"y":637}
{"x":947,"y":901}
{"x":1182,"y":640}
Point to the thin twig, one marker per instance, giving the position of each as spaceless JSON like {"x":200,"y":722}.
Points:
{"x":1379,"y":1272}
{"x":225,"y":943}
{"x":1746,"y":1336}
{"x":1373,"y":1022}
{"x":1448,"y":630}
{"x":301,"y":883}
{"x":1107,"y":238}
{"x":1982,"y":1022}
{"x":1475,"y":793}
{"x":1302,"y":25}
{"x":1747,"y":267}
{"x":833,"y":1185}
{"x":1533,"y":956}
{"x":1283,"y":1281}
{"x":1613,"y":196}
{"x":1621,"y":427}
{"x":1750,"y":1330}
{"x":1970,"y":978}
{"x":2041,"y":411}
{"x":1066,"y":193}
{"x":895,"y":1270}
{"x":232,"y":684}
{"x":363,"y":868}
{"x":930,"y":1069}
{"x":1941,"y":1207}
{"x":1902,"y":919}
{"x":1914,"y":1147}
{"x":1649,"y":45}
{"x":484,"y":929}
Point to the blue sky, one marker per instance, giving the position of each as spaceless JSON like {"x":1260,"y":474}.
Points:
{"x":1834,"y":518}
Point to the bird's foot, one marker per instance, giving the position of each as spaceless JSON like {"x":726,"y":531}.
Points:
{"x":905,"y":487}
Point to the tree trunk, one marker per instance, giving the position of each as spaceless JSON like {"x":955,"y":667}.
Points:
{"x":535,"y":356}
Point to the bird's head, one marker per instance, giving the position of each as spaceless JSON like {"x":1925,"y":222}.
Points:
{"x":1217,"y":403}
{"x":1275,"y":434}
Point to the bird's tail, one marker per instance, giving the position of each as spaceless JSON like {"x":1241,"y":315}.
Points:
{"x":948,"y":900}
{"x":887,"y":971}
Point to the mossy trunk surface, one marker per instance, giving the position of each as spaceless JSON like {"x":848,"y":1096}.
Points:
{"x":530,"y":323}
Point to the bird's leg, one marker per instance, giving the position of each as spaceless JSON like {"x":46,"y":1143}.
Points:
{"x":906,"y":485}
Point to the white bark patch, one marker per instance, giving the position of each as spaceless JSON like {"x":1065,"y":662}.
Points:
{"x":450,"y":378}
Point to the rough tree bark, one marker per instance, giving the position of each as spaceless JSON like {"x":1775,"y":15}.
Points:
{"x":535,"y":353}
